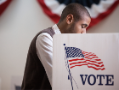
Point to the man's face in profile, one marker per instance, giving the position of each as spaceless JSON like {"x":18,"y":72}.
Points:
{"x":80,"y":25}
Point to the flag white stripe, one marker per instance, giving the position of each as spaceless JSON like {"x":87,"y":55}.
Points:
{"x":86,"y":62}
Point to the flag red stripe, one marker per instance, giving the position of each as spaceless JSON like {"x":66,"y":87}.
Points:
{"x":98,"y":59}
{"x":90,"y":55}
{"x":92,"y":63}
{"x":77,"y":65}
{"x":103,"y":69}
{"x":88,"y":67}
{"x":96,"y":65}
{"x":83,"y":63}
{"x":76,"y":59}
{"x":71,"y":62}
{"x":96,"y":68}
{"x":100,"y":62}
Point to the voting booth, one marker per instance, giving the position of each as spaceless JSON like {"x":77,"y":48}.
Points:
{"x":85,"y":62}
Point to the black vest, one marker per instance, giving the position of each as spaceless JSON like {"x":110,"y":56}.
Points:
{"x":35,"y":77}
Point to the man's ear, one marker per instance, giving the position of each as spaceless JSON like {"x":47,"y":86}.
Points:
{"x":69,"y":18}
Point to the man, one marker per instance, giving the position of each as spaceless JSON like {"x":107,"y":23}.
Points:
{"x":74,"y":19}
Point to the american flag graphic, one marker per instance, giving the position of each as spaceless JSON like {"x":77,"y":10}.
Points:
{"x":78,"y":57}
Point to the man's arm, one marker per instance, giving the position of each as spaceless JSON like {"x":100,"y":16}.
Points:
{"x":44,"y":47}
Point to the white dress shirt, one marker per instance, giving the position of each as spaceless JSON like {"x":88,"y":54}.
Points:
{"x":44,"y":47}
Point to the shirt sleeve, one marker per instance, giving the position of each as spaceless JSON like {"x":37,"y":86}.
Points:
{"x":44,"y":47}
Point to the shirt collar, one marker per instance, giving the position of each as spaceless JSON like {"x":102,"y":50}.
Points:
{"x":56,"y":29}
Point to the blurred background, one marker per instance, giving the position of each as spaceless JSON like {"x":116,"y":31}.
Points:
{"x":20,"y":22}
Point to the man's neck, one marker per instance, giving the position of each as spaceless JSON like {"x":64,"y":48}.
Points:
{"x":61,"y":26}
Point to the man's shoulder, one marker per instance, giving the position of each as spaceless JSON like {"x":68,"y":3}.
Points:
{"x":46,"y":32}
{"x":44,"y":36}
{"x":46,"y":29}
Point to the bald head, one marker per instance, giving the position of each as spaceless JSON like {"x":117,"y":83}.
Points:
{"x":77,"y":10}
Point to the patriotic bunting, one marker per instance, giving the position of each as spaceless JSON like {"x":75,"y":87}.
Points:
{"x":98,"y":9}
